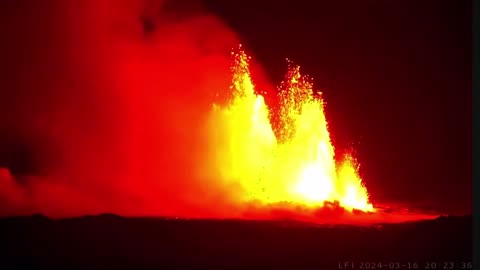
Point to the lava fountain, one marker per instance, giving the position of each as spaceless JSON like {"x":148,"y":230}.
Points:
{"x":293,"y":164}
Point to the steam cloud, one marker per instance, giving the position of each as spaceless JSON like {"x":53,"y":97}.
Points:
{"x":110,"y":98}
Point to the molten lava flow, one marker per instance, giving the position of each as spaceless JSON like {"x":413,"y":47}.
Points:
{"x":295,"y":165}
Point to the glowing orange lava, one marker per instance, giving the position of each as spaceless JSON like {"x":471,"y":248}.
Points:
{"x":295,"y":165}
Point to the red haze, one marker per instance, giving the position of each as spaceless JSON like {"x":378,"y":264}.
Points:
{"x":123,"y":109}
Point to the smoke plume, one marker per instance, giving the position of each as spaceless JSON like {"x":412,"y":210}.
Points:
{"x":103,"y":105}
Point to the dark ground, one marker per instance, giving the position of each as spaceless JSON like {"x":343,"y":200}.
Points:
{"x":113,"y":242}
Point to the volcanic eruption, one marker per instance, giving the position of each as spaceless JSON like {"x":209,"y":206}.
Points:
{"x":294,"y":163}
{"x":153,"y":123}
{"x":140,"y":134}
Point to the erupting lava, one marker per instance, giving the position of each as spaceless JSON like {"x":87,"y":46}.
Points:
{"x":294,"y":163}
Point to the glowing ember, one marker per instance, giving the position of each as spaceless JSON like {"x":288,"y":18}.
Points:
{"x":295,"y":165}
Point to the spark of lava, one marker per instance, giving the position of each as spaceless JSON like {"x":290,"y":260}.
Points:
{"x":296,"y":165}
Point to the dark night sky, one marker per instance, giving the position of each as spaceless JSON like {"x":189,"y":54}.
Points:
{"x":396,"y":76}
